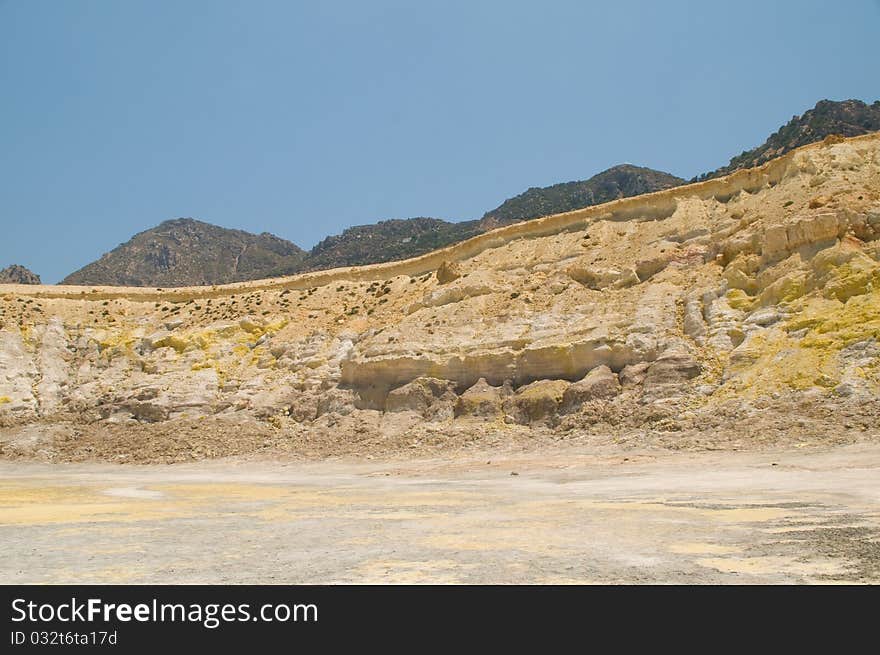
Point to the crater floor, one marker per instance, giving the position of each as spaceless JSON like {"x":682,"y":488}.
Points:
{"x":567,"y":516}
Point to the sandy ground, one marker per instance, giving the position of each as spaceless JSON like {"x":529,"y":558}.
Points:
{"x":569,"y":516}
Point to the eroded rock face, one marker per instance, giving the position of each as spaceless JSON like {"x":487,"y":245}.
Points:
{"x":448,"y":272}
{"x":634,"y":375}
{"x":672,"y":368}
{"x":53,"y":357}
{"x":428,"y":397}
{"x":18,"y":274}
{"x":537,"y":402}
{"x":737,"y":288}
{"x":19,"y":373}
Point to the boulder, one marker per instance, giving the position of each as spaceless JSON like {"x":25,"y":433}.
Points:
{"x":148,"y":412}
{"x":598,"y":278}
{"x":763,"y":317}
{"x":252,"y":325}
{"x":601,"y":382}
{"x":694,"y":324}
{"x":648,"y":268}
{"x":536,"y":402}
{"x":865,"y":226}
{"x":336,"y":401}
{"x":633,"y":375}
{"x":447,"y":272}
{"x":672,"y":368}
{"x":303,"y":407}
{"x":482,"y":399}
{"x":429,"y":397}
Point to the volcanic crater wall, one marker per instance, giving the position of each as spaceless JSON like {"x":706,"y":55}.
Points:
{"x":763,"y":282}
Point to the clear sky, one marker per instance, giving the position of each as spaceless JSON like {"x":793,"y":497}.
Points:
{"x":303,"y":118}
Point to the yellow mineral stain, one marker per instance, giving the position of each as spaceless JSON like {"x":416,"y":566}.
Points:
{"x":699,"y":548}
{"x":443,"y":571}
{"x":773,"y":564}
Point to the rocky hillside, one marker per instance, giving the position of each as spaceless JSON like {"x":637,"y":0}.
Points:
{"x":17,"y":274}
{"x":187,"y":252}
{"x":741,"y":309}
{"x":618,"y":182}
{"x":846,"y":118}
{"x":399,"y":239}
{"x":386,"y":241}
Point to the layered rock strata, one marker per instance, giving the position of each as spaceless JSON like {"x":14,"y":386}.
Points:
{"x":761,"y":284}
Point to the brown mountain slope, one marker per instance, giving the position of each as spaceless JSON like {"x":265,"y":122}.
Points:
{"x":185,"y":252}
{"x":18,"y":274}
{"x":402,"y":238}
{"x":621,"y":181}
{"x":386,"y":241}
{"x":846,"y":118}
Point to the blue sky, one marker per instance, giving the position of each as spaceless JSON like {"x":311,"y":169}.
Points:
{"x":303,"y":118}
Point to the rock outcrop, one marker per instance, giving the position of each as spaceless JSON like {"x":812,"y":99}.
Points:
{"x":429,"y":397}
{"x":184,"y":251}
{"x":536,"y":402}
{"x":829,"y":119}
{"x":620,"y":181}
{"x":601,"y":383}
{"x":18,"y":274}
{"x":483,"y":400}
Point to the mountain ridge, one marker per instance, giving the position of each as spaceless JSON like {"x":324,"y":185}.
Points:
{"x":186,"y":251}
{"x":620,"y":181}
{"x":18,"y":274}
{"x":845,"y":118}
{"x":209,"y":254}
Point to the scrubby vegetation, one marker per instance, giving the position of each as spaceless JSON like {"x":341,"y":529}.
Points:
{"x":618,"y":182}
{"x":847,"y":118}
